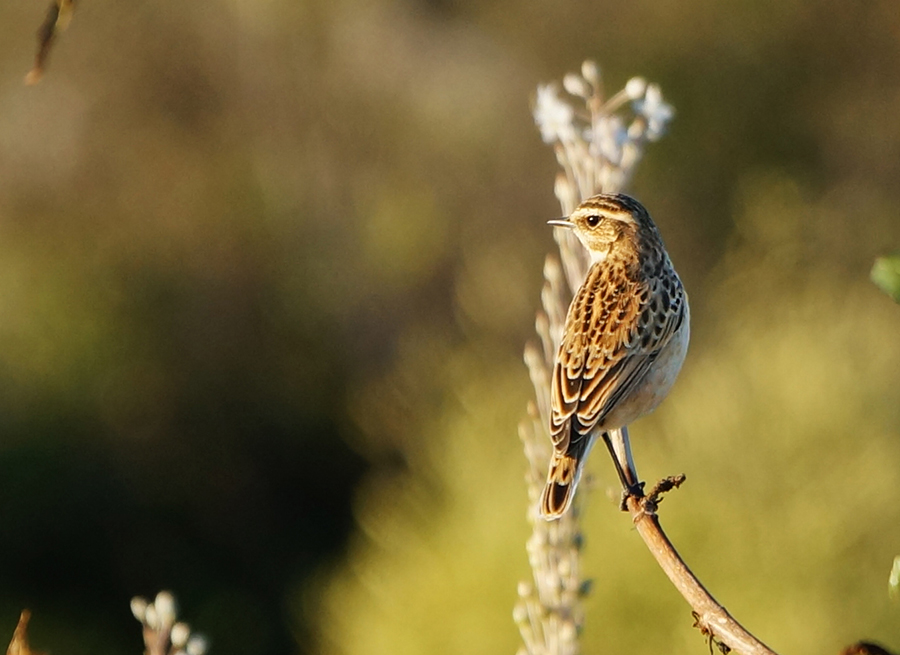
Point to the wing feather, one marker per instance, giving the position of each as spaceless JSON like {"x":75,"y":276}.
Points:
{"x":615,"y":328}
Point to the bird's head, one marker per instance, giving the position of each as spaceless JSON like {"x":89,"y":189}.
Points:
{"x":602,"y":220}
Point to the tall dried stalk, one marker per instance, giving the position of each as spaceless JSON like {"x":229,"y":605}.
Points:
{"x":598,"y":151}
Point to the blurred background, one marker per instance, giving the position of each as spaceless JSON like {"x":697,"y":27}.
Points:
{"x":266,"y":272}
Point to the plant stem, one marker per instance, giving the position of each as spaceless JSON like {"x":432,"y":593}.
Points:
{"x":711,"y":617}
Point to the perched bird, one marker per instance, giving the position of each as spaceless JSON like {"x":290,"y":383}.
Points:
{"x":625,"y":338}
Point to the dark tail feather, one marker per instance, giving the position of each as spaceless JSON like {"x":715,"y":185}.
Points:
{"x":561,"y":482}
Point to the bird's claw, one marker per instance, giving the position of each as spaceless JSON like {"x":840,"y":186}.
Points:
{"x":635,"y":490}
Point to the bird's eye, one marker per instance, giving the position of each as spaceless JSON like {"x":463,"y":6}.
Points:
{"x":593,"y":220}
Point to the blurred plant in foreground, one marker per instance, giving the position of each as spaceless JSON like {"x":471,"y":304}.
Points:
{"x":894,"y":579}
{"x":57,"y":20}
{"x":597,"y":152}
{"x":162,"y":634}
{"x":19,"y":644}
{"x":886,"y":274}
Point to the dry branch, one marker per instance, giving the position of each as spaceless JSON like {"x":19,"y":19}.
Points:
{"x":710,"y":617}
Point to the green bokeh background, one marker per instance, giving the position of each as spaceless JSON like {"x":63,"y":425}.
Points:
{"x":267,"y":268}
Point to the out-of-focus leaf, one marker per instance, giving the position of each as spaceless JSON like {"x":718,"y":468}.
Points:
{"x":866,"y":648}
{"x":58,"y":17}
{"x":894,"y":579}
{"x":886,"y":274}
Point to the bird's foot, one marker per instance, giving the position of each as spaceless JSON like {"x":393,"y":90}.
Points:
{"x":650,"y":503}
{"x":635,"y":491}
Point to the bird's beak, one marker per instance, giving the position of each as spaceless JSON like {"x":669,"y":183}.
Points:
{"x":561,"y":222}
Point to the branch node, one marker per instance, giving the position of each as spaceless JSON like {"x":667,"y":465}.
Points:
{"x":647,"y":505}
{"x":701,"y":625}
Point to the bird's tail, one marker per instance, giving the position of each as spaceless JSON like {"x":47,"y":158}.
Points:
{"x":565,"y":470}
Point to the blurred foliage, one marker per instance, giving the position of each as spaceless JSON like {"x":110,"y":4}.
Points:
{"x":266,"y":270}
{"x":894,"y":579}
{"x":55,"y":22}
{"x":886,"y":274}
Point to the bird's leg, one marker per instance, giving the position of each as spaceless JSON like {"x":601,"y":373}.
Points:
{"x":631,"y":486}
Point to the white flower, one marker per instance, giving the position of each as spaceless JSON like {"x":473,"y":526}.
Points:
{"x":179,"y":634}
{"x":139,"y":608}
{"x":576,"y":85}
{"x":520,"y":613}
{"x":568,"y":631}
{"x":590,"y":71}
{"x":565,"y":193}
{"x":635,"y":87}
{"x":197,"y":645}
{"x":151,"y":618}
{"x":553,"y":116}
{"x":165,"y":608}
{"x":607,"y":140}
{"x":655,"y":110}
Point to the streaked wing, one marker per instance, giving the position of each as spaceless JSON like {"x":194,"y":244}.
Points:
{"x":615,"y":329}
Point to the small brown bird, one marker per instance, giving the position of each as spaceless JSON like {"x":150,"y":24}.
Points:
{"x":625,"y":338}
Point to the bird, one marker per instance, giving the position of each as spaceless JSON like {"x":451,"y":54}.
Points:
{"x":625,"y":338}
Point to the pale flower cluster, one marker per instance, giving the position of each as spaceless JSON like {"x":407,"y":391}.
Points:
{"x":599,"y":141}
{"x":163,"y":635}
